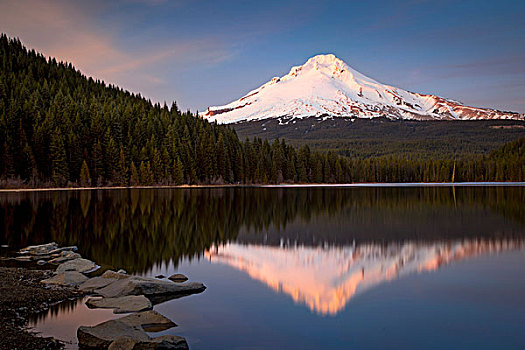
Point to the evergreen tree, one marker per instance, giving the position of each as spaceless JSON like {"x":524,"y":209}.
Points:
{"x":85,"y":178}
{"x":178,"y":173}
{"x":58,"y":159}
{"x":135,"y":178}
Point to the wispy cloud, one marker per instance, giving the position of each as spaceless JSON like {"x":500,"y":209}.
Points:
{"x":69,"y":32}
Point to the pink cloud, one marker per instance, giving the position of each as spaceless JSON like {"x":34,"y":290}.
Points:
{"x":71,"y":33}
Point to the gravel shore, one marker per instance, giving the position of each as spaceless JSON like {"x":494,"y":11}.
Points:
{"x":21,"y":296}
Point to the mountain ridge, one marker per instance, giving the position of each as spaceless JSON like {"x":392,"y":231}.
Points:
{"x":327,"y":86}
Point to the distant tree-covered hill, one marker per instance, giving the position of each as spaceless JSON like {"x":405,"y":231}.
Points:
{"x":61,"y":128}
{"x":378,"y":137}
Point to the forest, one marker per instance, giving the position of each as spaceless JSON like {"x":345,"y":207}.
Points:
{"x":60,"y":128}
{"x":380,"y":137}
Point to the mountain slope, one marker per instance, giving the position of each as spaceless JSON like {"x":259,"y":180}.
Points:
{"x":325,"y":85}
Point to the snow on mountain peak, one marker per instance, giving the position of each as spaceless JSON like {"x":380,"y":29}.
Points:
{"x":326,"y":85}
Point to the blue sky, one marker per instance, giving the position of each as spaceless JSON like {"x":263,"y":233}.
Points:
{"x":203,"y":53}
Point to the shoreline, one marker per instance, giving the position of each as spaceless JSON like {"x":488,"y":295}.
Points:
{"x":45,"y":275}
{"x":30,"y":298}
{"x":313,"y":185}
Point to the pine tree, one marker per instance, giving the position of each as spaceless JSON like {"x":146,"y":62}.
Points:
{"x":122,"y":169}
{"x":158,"y":169}
{"x":85,"y":178}
{"x":146,"y":174}
{"x":135,"y":178}
{"x":58,"y":159}
{"x":178,"y":173}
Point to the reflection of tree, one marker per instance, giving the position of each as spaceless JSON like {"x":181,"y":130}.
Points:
{"x":135,"y":229}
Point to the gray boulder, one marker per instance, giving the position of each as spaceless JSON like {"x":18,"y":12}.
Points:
{"x":102,"y":335}
{"x":129,"y":303}
{"x":102,"y":281}
{"x":135,"y":285}
{"x":130,"y":333}
{"x":79,"y":265}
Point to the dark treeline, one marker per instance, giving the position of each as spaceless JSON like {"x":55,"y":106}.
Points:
{"x":59,"y":128}
{"x":382,"y":137}
{"x":138,"y":228}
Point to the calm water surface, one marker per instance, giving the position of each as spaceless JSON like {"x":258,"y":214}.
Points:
{"x":332,"y":268}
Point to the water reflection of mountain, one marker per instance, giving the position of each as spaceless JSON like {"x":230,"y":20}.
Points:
{"x":136,"y":229}
{"x":326,"y":278}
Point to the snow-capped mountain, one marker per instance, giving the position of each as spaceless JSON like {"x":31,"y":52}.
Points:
{"x":326,"y":86}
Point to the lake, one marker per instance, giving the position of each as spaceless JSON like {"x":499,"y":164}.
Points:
{"x":301,"y":267}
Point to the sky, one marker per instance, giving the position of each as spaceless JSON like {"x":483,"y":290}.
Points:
{"x":206,"y":53}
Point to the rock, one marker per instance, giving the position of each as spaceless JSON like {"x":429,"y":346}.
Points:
{"x":79,"y":265}
{"x":129,"y":303}
{"x":135,"y":285}
{"x":150,"y":321}
{"x":122,"y":333}
{"x":123,"y":343}
{"x":24,"y":258}
{"x":122,"y":271}
{"x":105,"y":279}
{"x":66,"y":278}
{"x":72,"y":248}
{"x":42,"y":249}
{"x":178,"y":277}
{"x":65,"y":256}
{"x":115,"y":275}
{"x":41,"y":262}
{"x":96,"y":283}
{"x":102,"y":335}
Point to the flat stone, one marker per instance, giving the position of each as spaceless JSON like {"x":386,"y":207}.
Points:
{"x":95,"y":283}
{"x":178,"y":277}
{"x":42,"y":249}
{"x":72,"y":248}
{"x":127,"y":330}
{"x":129,"y":303}
{"x":102,"y":281}
{"x":79,"y":265}
{"x":150,"y":321}
{"x":66,"y":278}
{"x":65,"y":256}
{"x":135,"y":285}
{"x":41,"y":262}
{"x":24,"y":258}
